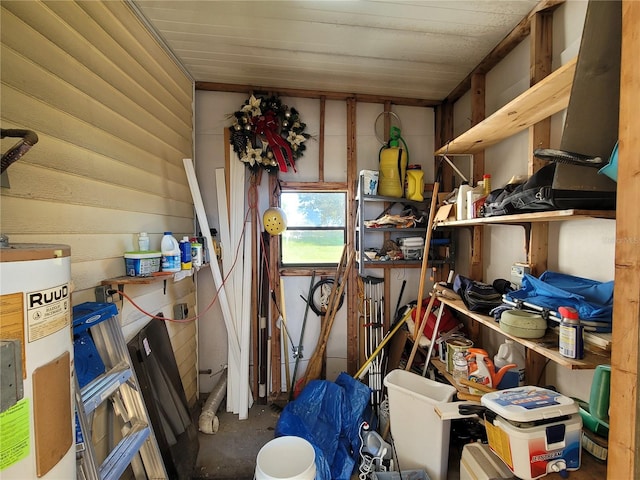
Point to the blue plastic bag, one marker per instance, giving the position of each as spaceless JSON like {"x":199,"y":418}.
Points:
{"x":328,"y":415}
{"x":592,"y":299}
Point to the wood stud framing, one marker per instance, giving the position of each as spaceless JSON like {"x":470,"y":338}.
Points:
{"x":624,"y":434}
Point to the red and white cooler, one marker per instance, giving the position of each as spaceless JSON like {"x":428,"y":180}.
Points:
{"x":533,"y":430}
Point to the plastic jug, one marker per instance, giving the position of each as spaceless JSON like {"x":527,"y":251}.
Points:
{"x":185,"y":253}
{"x":393,"y":165}
{"x":414,"y":183}
{"x":170,"y":253}
{"x":483,"y":371}
{"x":461,"y":201}
{"x":473,"y":196}
{"x":508,"y":353}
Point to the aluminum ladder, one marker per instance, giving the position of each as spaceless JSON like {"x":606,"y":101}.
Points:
{"x":104,"y":372}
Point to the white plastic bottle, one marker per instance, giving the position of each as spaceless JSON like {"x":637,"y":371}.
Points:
{"x":143,"y":242}
{"x":461,"y":201}
{"x":170,"y":249}
{"x":472,"y":196}
{"x":185,"y":253}
{"x":509,"y":353}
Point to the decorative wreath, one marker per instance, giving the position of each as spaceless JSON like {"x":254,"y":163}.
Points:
{"x":267,"y":134}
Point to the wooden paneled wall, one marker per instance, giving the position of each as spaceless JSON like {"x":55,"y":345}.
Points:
{"x":113,"y":113}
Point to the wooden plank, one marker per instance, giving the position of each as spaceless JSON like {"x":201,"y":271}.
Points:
{"x":500,"y":51}
{"x":274,"y":275}
{"x":351,"y":278}
{"x":541,"y":52}
{"x":314,"y":186}
{"x":302,"y":93}
{"x":305,"y":272}
{"x":591,"y":359}
{"x":623,"y":439}
{"x":547,"y":97}
{"x":478,"y":85}
{"x":323,"y":101}
{"x":551,"y":216}
{"x":52,"y":393}
{"x":444,"y":132}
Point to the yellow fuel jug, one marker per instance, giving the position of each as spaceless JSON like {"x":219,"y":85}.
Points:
{"x":393,"y":165}
{"x":414,"y":183}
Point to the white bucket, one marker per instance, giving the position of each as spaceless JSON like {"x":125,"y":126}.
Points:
{"x":286,"y":458}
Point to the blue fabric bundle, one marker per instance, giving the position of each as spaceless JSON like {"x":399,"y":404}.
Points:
{"x":328,"y":415}
{"x":592,"y":299}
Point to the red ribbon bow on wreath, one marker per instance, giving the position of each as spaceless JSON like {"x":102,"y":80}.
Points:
{"x":267,"y":125}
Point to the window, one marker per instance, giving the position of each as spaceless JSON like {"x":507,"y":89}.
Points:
{"x":316,"y":227}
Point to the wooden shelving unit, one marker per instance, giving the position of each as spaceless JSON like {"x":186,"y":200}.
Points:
{"x":545,"y":98}
{"x":545,"y":346}
{"x":522,"y":218}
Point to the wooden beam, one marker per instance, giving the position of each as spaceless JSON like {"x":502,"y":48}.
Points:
{"x":274,"y":275}
{"x":323,"y":102}
{"x":624,"y":417}
{"x":444,"y":133}
{"x":478,"y":83}
{"x":508,"y":43}
{"x":314,"y":186}
{"x":540,"y":66}
{"x":352,"y":287}
{"x":300,"y":93}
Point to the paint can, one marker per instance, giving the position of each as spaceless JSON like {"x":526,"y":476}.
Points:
{"x":456,"y":344}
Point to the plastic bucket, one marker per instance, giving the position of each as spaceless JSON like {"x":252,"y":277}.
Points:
{"x":421,"y":437}
{"x":286,"y":458}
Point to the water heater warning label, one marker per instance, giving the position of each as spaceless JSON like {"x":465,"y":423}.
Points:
{"x":48,"y":311}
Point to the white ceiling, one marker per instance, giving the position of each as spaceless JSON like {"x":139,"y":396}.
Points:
{"x":415,"y":49}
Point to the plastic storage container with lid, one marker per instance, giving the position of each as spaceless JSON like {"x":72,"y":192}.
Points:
{"x":142,"y":264}
{"x":533,"y":430}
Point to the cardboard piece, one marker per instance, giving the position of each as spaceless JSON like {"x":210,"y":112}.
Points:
{"x":52,"y":412}
{"x":446,"y":212}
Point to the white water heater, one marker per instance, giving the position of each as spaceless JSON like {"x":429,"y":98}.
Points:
{"x":36,"y":409}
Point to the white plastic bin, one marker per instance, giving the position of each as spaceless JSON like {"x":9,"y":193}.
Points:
{"x":421,"y":437}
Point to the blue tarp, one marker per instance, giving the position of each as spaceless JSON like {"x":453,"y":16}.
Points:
{"x":328,"y":415}
{"x":592,"y":299}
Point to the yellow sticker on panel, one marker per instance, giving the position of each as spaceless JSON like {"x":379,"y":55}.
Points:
{"x":14,"y":431}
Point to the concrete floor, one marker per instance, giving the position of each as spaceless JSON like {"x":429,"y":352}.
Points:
{"x":230,"y":454}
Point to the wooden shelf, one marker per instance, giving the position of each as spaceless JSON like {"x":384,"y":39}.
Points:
{"x":402,"y":263}
{"x":382,"y":198}
{"x":410,"y":230}
{"x":550,"y":216}
{"x":153,"y":278}
{"x":548,"y":96}
{"x":545,"y":346}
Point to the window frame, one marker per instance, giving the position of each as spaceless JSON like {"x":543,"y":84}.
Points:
{"x":314,"y":188}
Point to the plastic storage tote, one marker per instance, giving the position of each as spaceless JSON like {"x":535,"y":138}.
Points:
{"x":421,"y":437}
